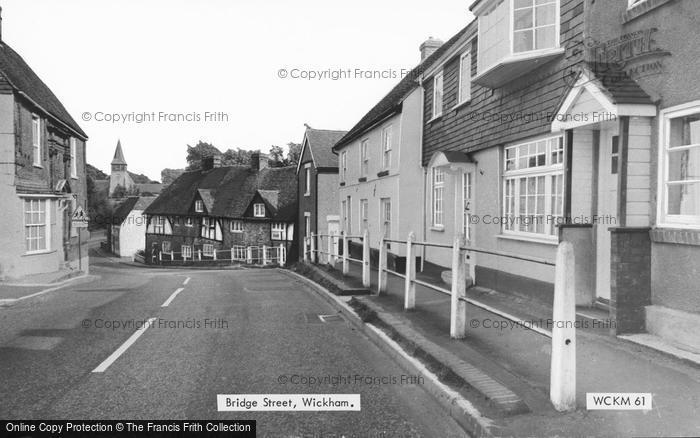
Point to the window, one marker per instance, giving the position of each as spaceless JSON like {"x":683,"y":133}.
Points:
{"x":437,"y":95}
{"x":165,"y":246}
{"x":364,"y":157}
{"x":188,"y":222}
{"x":465,"y":77}
{"x":186,"y":251}
{"x":208,"y":229}
{"x":438,"y":196}
{"x":533,"y":201}
{"x":236,"y":226}
{"x":73,"y":158}
{"x":208,"y":250}
{"x":159,"y":225}
{"x":198,"y":206}
{"x":386,"y":147}
{"x":534,"y":25}
{"x":36,"y":140}
{"x":259,"y":210}
{"x":364,"y":206}
{"x":680,"y":161}
{"x":307,"y":224}
{"x":385,"y":211}
{"x":278,"y":231}
{"x":36,"y":225}
{"x":343,"y":165}
{"x":307,"y":179}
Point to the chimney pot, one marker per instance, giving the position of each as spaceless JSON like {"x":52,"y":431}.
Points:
{"x":428,"y":47}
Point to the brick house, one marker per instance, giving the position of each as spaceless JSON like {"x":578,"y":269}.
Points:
{"x":317,"y":184}
{"x":556,"y":120}
{"x":42,"y":177}
{"x":219,"y":208}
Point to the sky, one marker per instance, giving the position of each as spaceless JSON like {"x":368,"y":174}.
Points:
{"x":162,"y":74}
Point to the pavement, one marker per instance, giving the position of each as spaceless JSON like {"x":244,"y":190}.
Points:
{"x":215,"y":332}
{"x":519,"y":359}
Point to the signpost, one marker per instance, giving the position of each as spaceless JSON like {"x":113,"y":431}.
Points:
{"x":79,"y":220}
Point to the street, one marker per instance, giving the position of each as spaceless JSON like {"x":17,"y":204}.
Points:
{"x":74,"y":354}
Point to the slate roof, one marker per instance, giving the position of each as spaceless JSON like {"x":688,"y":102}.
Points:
{"x":321,"y":142}
{"x":618,"y":85}
{"x":130,"y":204}
{"x":23,"y":79}
{"x":391,"y":103}
{"x":232,"y":189}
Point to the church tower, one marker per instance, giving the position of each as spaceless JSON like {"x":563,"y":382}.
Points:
{"x":119,"y":175}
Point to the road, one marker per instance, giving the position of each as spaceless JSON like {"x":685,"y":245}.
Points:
{"x":224,"y":332}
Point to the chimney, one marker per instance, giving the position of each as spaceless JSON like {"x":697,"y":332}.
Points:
{"x":211,"y":161}
{"x":259,"y":161}
{"x":428,"y":47}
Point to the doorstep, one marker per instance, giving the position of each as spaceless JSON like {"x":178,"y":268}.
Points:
{"x":662,"y":345}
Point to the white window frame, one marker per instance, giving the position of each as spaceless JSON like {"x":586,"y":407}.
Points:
{"x":307,"y":179}
{"x":664,"y":218}
{"x":343,"y":165}
{"x":307,"y":224}
{"x":189,"y":222}
{"x":437,"y":191}
{"x":199,"y":206}
{"x":465,"y":58}
{"x":42,"y":229}
{"x":386,"y":147}
{"x":438,"y":94}
{"x":236,"y":226}
{"x":36,"y":141}
{"x":259,"y":209}
{"x":73,"y":158}
{"x":633,"y":3}
{"x":163,"y":246}
{"x":385,"y":216}
{"x":208,"y":250}
{"x":549,"y":170}
{"x":186,"y":251}
{"x":557,"y":24}
{"x":364,"y":214}
{"x":364,"y":157}
{"x":278,"y":231}
{"x":159,"y":225}
{"x":208,"y":228}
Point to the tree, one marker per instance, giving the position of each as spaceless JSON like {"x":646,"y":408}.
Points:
{"x":199,"y":151}
{"x":293,"y":153}
{"x":167,"y":176}
{"x":238,"y":157}
{"x":277,"y":157}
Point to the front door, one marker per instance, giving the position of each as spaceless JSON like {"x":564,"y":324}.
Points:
{"x":608,"y":168}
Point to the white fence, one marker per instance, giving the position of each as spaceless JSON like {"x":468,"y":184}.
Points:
{"x":563,"y":334}
{"x":250,"y":255}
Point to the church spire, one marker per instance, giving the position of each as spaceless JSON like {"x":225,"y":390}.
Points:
{"x":119,"y":155}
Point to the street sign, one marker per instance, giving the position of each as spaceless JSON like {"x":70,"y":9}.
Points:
{"x":80,"y":219}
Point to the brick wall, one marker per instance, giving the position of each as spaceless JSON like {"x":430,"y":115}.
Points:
{"x":630,"y":278}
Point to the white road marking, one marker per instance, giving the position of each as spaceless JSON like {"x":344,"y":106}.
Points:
{"x":187,"y":280}
{"x":172,"y":297}
{"x":119,"y":351}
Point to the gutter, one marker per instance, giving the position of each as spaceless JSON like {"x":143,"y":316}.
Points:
{"x":83,"y":137}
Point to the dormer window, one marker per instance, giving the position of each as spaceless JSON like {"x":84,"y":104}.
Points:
{"x":259,"y":210}
{"x":199,"y":206}
{"x":515,"y":37}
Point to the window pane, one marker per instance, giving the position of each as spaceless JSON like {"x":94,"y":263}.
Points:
{"x":545,"y":37}
{"x":522,"y":41}
{"x":684,"y":165}
{"x":522,"y":19}
{"x":684,"y":199}
{"x":522,"y":3}
{"x":545,"y":15}
{"x":685,"y":130}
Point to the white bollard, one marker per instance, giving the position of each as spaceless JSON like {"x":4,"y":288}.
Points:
{"x":346,"y":254}
{"x":313,"y":248}
{"x":214,"y":254}
{"x":249,"y":255}
{"x":562,"y":385}
{"x":306,"y":249}
{"x":160,"y":256}
{"x":366,"y":282}
{"x":264,"y":255}
{"x":231,"y":255}
{"x":381,"y":283}
{"x":282,"y":259}
{"x":458,"y":307}
{"x":199,"y":255}
{"x":409,"y":299}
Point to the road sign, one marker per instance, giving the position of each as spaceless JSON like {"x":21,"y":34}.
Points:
{"x":80,"y":219}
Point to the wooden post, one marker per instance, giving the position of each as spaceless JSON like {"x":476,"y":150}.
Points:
{"x":306,"y":249}
{"x":199,"y":255}
{"x":264,"y":257}
{"x":458,"y":307}
{"x":562,"y":385}
{"x":331,"y":261}
{"x":366,"y":282}
{"x":346,"y":254}
{"x":409,"y":299}
{"x":160,"y":257}
{"x":172,"y":255}
{"x":313,"y":248}
{"x":281,"y":258}
{"x":381,"y":283}
{"x":214,"y":254}
{"x":249,"y":255}
{"x":231,"y":255}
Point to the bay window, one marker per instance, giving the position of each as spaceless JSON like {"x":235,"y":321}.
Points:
{"x":680,"y":167}
{"x":533,"y":199}
{"x":534,"y":25}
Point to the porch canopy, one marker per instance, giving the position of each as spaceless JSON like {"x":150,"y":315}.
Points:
{"x":601,"y":93}
{"x":453,"y":160}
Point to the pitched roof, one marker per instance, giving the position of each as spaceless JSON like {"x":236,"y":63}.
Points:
{"x":391,"y":103}
{"x":118,"y":154}
{"x":130,"y":204}
{"x":232,"y":189}
{"x":23,"y":79}
{"x":320,"y":143}
{"x":618,"y":85}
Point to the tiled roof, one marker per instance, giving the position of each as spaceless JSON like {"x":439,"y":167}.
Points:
{"x":130,"y":204}
{"x":392,"y":101}
{"x":232,"y":189}
{"x":23,"y":79}
{"x":321,"y":142}
{"x":618,"y":85}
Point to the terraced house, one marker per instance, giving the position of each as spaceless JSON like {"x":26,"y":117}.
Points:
{"x":42,"y":176}
{"x":217,"y":213}
{"x":572,"y":120}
